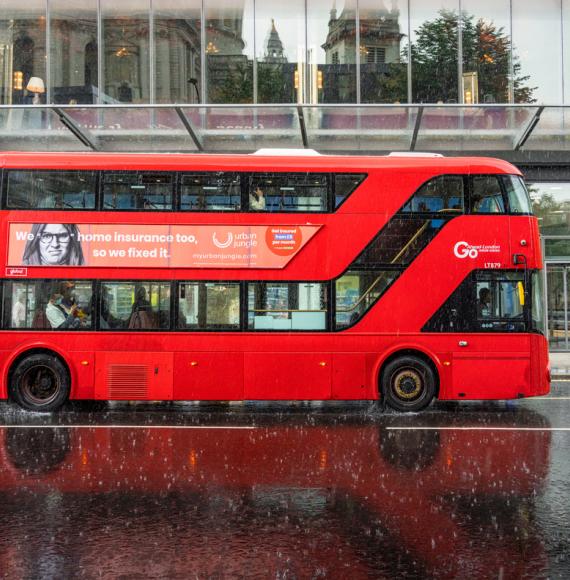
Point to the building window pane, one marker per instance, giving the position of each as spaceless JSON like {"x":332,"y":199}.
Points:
{"x":73,"y":51}
{"x":135,"y":305}
{"x":280,"y":49}
{"x":486,"y":41}
{"x":210,"y":192}
{"x":434,"y":27}
{"x":126,"y":51}
{"x":209,"y":305}
{"x":551,"y":205}
{"x":51,"y":189}
{"x":384,"y":51}
{"x":22,"y":52}
{"x":540,"y":61}
{"x":287,"y":306}
{"x":229,"y":51}
{"x":177,"y":51}
{"x":331,"y":70}
{"x":134,"y":191}
{"x":48,"y":305}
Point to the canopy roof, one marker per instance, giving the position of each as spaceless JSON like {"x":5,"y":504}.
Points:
{"x":371,"y":129}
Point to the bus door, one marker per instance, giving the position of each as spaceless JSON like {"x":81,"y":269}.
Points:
{"x":495,"y":362}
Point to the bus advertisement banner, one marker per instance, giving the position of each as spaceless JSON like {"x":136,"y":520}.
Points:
{"x":156,"y":246}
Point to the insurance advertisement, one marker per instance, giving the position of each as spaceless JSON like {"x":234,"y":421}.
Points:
{"x":155,"y":246}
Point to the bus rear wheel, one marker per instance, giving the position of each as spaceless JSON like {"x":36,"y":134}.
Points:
{"x":408,"y":383}
{"x":40,"y":382}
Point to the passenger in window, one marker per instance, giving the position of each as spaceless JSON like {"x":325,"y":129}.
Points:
{"x":19,"y":311}
{"x":61,"y":310}
{"x":53,"y":245}
{"x":107,"y":319}
{"x":257,"y":199}
{"x":484,"y":303}
{"x":141,"y":314}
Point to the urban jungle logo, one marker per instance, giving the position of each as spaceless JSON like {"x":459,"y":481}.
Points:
{"x":465,"y":250}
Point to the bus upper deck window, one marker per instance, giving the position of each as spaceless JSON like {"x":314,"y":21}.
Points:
{"x":138,"y":191}
{"x":517,"y":194}
{"x":442,"y":194}
{"x":51,"y":189}
{"x":210,"y":192}
{"x":487,"y":196}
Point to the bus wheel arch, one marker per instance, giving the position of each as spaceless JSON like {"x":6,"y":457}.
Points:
{"x":39,"y":379}
{"x":408,"y":380}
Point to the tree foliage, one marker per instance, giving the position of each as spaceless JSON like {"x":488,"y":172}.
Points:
{"x":486,"y":50}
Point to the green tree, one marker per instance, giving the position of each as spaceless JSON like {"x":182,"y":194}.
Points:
{"x":486,"y":50}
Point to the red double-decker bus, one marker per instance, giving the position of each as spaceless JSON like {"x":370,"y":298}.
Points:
{"x":184,"y":277}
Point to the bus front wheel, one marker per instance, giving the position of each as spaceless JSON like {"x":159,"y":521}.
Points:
{"x":40,"y":382}
{"x":408,"y":383}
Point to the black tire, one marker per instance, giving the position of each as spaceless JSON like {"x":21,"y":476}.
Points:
{"x":40,"y":382}
{"x":408,"y":383}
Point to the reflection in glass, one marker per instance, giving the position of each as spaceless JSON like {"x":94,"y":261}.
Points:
{"x":126,"y":61}
{"x":22,"y":50}
{"x":434,"y":39}
{"x":73,"y":51}
{"x":229,"y":51}
{"x":177,"y":51}
{"x":331,"y":51}
{"x":540,"y":60}
{"x":383,"y":51}
{"x":551,"y":205}
{"x":486,"y":44}
{"x":280,"y":46}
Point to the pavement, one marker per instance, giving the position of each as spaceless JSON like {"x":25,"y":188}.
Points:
{"x":560,"y":365}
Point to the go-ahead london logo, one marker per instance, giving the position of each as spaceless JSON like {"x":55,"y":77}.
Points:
{"x":466,"y":250}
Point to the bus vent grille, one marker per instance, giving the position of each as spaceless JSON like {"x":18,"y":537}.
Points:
{"x":127,"y":382}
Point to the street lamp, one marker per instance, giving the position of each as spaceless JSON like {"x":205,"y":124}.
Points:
{"x":36,"y":85}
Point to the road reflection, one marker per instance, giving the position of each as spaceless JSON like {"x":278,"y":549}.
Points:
{"x":281,"y":497}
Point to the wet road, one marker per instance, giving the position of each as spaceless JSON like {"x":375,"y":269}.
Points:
{"x":287,"y":491}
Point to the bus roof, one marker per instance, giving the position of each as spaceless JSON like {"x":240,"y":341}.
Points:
{"x":247,"y":162}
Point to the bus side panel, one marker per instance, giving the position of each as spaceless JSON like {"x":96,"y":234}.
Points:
{"x":208,"y":376}
{"x":287,"y":376}
{"x":485,"y":369}
{"x":349,"y":376}
{"x":540,"y":366}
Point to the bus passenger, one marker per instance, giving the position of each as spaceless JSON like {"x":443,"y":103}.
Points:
{"x":257,"y":199}
{"x":484,"y":303}
{"x":61,"y":310}
{"x":19,"y":311}
{"x":141,"y":313}
{"x":53,"y":245}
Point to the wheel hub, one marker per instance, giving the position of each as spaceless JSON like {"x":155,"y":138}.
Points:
{"x":408,"y":384}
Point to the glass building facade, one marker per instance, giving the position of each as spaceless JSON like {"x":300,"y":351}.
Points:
{"x":483,"y":77}
{"x":303,"y":51}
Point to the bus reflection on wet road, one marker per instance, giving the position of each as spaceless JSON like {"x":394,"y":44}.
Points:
{"x":284,"y":492}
